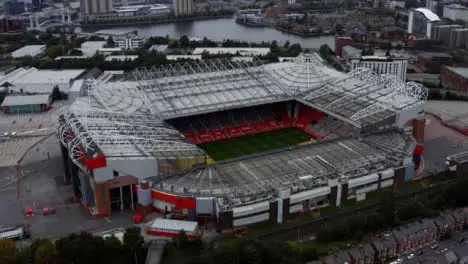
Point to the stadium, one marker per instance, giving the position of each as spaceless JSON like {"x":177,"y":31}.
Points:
{"x":241,"y":142}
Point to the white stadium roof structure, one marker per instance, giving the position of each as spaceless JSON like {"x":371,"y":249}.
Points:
{"x":126,"y":120}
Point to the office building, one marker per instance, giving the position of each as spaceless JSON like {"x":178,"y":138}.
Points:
{"x":182,"y":7}
{"x":458,"y":38}
{"x":89,"y":8}
{"x":421,"y":21}
{"x":443,"y":32}
{"x":13,"y":7}
{"x":382,"y":65}
{"x":11,"y":25}
{"x":456,"y":12}
{"x":130,"y":42}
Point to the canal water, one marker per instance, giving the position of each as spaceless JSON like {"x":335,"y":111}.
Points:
{"x":219,"y":29}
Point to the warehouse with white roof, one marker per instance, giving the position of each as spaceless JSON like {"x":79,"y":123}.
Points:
{"x":35,"y":81}
{"x":26,"y":103}
{"x":29,"y":50}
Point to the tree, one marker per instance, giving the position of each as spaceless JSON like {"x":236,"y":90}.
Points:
{"x":8,"y":252}
{"x":55,"y":51}
{"x":133,"y":244}
{"x":184,"y":41}
{"x":76,"y":52}
{"x":110,"y":42}
{"x":387,"y":206}
{"x":286,"y":44}
{"x":56,"y":93}
{"x":46,"y":254}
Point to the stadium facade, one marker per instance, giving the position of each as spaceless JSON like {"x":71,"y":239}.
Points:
{"x":369,"y":130}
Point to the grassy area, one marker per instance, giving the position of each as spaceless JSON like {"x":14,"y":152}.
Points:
{"x":241,"y":146}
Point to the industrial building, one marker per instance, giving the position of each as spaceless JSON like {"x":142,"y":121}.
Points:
{"x":14,"y":104}
{"x":381,"y":65}
{"x":122,"y":135}
{"x":29,"y":51}
{"x":34,"y":81}
{"x":142,"y":10}
{"x":420,"y":22}
{"x":182,"y":7}
{"x":89,"y":8}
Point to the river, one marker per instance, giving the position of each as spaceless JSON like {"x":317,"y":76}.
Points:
{"x":219,"y":29}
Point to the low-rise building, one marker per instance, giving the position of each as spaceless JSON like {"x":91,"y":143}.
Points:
{"x":34,"y":81}
{"x":382,"y":65}
{"x":340,"y":43}
{"x":159,"y":48}
{"x":454,"y":78}
{"x":29,"y":51}
{"x":240,"y":51}
{"x":121,"y":58}
{"x":350,"y":52}
{"x":414,"y":236}
{"x":456,"y":12}
{"x":26,"y":103}
{"x":363,"y":254}
{"x":445,"y":225}
{"x":130,"y":41}
{"x":386,"y":247}
{"x":426,"y":58}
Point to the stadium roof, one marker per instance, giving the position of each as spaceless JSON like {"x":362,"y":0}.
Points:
{"x":359,"y":97}
{"x":125,"y":119}
{"x":119,"y":135}
{"x":303,"y":167}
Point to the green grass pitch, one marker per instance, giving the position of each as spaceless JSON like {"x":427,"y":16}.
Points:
{"x":262,"y":142}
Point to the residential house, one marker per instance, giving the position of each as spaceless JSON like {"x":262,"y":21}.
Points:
{"x":363,"y":254}
{"x":386,"y":247}
{"x":341,"y":257}
{"x":461,"y":217}
{"x":445,"y":224}
{"x":416,"y":235}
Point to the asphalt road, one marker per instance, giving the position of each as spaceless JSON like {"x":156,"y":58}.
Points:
{"x":42,"y":186}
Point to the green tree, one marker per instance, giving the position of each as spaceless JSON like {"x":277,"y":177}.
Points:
{"x":46,"y":254}
{"x":110,"y":42}
{"x":55,"y":51}
{"x":184,"y":41}
{"x":286,"y":44}
{"x":133,"y":244}
{"x":8,"y":252}
{"x":76,"y":52}
{"x":387,"y":206}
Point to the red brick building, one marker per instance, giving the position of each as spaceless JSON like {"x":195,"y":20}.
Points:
{"x":340,"y":43}
{"x":454,"y":78}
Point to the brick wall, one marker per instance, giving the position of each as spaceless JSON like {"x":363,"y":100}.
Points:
{"x":453,"y":81}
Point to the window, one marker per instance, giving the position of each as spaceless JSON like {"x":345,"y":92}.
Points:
{"x":116,"y":173}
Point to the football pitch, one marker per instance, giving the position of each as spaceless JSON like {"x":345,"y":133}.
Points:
{"x":241,"y":146}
